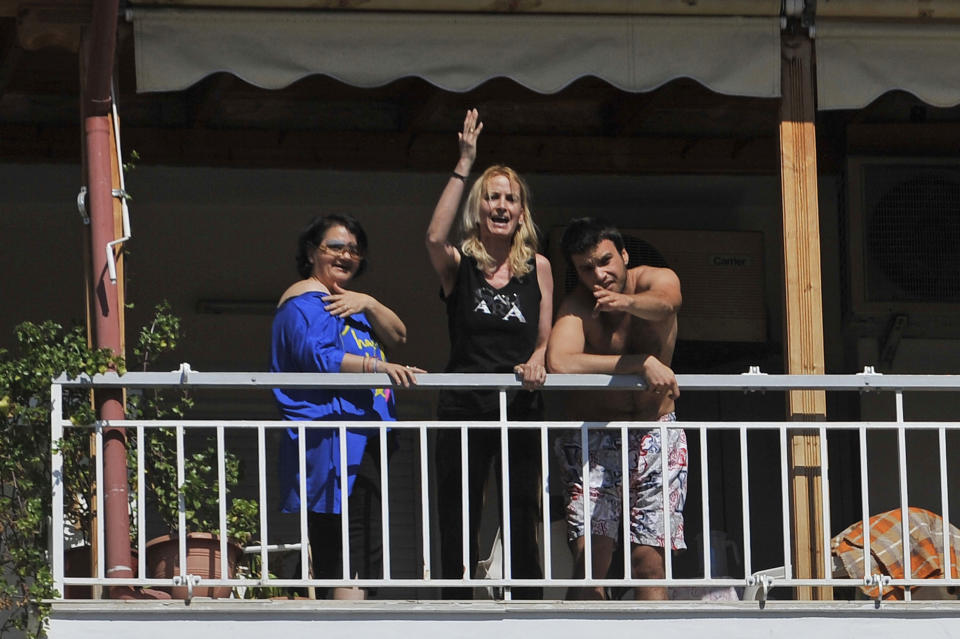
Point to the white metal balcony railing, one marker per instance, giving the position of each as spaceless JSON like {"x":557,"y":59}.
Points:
{"x":753,"y":382}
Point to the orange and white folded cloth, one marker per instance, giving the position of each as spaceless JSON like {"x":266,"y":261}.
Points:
{"x":925,"y":536}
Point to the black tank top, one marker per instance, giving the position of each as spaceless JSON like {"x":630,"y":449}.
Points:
{"x":491,"y":331}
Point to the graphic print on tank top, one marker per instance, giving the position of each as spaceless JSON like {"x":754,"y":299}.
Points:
{"x":505,"y":306}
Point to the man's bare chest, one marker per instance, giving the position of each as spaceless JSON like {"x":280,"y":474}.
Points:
{"x":627,"y":334}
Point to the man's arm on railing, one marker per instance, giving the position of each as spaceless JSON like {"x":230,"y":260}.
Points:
{"x":566,"y":353}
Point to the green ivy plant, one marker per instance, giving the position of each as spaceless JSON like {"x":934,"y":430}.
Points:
{"x":200,"y":498}
{"x":43,"y":351}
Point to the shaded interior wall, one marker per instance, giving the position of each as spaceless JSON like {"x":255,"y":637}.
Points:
{"x":932,"y":356}
{"x":203,"y":234}
{"x":42,"y":235}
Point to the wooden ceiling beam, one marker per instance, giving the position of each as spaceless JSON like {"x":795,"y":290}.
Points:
{"x":626,"y":116}
{"x":38,"y":143}
{"x":427,"y":152}
{"x":421,"y":109}
{"x":203,"y":99}
{"x":901,"y":138}
{"x":594,"y":7}
{"x":419,"y":113}
{"x":10,"y":54}
{"x":53,"y":23}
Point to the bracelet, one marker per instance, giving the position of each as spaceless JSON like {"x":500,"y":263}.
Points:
{"x":363,"y":364}
{"x":462,"y":178}
{"x":376,"y":368}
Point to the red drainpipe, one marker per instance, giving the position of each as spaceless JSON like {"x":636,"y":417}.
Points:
{"x":100,"y":50}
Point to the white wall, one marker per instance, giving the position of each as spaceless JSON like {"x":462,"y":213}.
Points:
{"x":295,"y":620}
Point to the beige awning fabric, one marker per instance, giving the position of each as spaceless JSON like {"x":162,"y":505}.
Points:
{"x":859,"y":61}
{"x":272,"y":49}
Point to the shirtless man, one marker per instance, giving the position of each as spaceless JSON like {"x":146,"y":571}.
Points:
{"x":620,"y":320}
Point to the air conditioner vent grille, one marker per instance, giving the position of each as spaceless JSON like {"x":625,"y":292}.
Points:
{"x":913,"y":237}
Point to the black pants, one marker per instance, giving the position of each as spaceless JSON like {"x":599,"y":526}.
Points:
{"x":366,"y":545}
{"x":484,"y":449}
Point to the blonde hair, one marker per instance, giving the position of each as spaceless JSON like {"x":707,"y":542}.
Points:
{"x":525,"y":244}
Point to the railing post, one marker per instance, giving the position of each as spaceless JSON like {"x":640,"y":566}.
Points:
{"x":424,"y":504}
{"x":506,"y":534}
{"x":56,"y":475}
{"x":803,"y":300}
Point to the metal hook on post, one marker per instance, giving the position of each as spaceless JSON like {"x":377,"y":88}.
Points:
{"x":766,"y":584}
{"x":868,"y":370}
{"x":82,"y":205}
{"x":189,"y":581}
{"x":879,"y":582}
{"x":754,"y":370}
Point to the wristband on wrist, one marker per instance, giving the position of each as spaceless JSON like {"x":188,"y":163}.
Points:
{"x":462,"y":178}
{"x":376,"y":366}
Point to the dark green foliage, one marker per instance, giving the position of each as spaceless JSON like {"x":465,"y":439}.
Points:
{"x":43,"y":352}
{"x":200,"y":492}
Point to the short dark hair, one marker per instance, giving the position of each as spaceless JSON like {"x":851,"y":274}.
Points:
{"x":311,"y":237}
{"x":583,"y":233}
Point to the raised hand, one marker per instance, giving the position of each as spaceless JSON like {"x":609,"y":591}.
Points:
{"x":468,"y":137}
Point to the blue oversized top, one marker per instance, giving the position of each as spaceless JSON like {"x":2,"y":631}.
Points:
{"x":308,"y":339}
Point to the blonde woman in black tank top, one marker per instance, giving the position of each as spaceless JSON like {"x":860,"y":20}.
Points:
{"x":498,"y":291}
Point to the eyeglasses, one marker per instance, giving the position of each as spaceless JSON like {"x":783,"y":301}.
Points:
{"x":342,"y":248}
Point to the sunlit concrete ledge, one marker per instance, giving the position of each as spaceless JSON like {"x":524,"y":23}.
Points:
{"x":233,"y":619}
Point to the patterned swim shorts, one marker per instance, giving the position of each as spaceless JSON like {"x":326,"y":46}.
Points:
{"x":646,"y":485}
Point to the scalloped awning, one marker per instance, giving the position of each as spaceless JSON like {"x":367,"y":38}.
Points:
{"x":859,"y":61}
{"x":176,"y":48}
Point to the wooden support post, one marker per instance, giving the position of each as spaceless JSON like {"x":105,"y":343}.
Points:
{"x":803,"y":304}
{"x":118,"y":252}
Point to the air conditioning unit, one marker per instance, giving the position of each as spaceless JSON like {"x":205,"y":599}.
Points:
{"x":721,"y":276}
{"x":904,"y":236}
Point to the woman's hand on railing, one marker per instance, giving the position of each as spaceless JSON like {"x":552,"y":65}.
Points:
{"x":399,"y":374}
{"x":531,"y":375}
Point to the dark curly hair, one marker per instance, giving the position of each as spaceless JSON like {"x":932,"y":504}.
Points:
{"x":312,"y":236}
{"x":583,"y":233}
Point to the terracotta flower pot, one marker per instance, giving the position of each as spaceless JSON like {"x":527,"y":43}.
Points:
{"x":203,"y":559}
{"x":77,"y":562}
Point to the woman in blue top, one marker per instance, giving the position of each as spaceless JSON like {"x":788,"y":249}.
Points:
{"x":322,"y":327}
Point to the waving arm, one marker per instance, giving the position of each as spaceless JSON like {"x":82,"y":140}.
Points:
{"x":443,"y":255}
